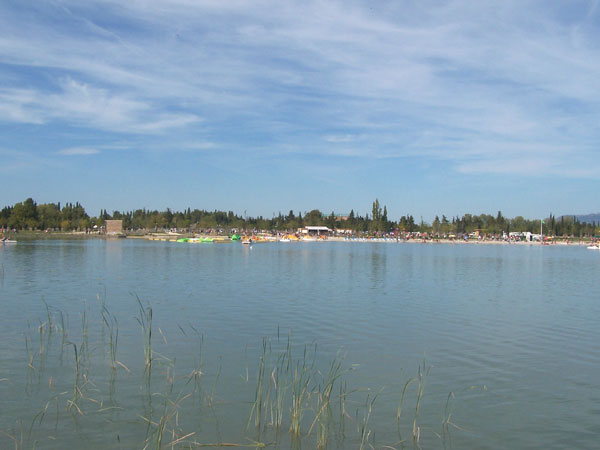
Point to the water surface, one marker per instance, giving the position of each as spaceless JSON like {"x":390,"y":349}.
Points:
{"x":511,"y":331}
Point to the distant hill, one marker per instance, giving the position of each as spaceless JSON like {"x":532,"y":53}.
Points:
{"x":585,"y":218}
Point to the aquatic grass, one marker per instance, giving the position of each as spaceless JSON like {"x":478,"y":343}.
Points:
{"x":54,"y":323}
{"x":145,"y":321}
{"x":281,"y":385}
{"x":17,"y":438}
{"x":419,"y":380}
{"x":168,"y":423}
{"x":29,"y":351}
{"x":76,"y":391}
{"x":400,"y":405}
{"x":422,"y":373}
{"x":277,"y":376}
{"x":280,"y":379}
{"x":363,"y":429}
{"x":62,"y":328}
{"x":211,"y":398}
{"x":169,"y":417}
{"x":270,"y":411}
{"x":257,"y":406}
{"x":103,"y":309}
{"x":324,"y":414}
{"x":49,"y":317}
{"x":41,"y":337}
{"x":253,"y":444}
{"x":310,"y":390}
{"x":84,"y":347}
{"x":448,"y":410}
{"x":113,"y":344}
{"x":196,"y":374}
{"x":299,"y":393}
{"x":301,"y":379}
{"x":110,"y":321}
{"x":447,"y":422}
{"x":39,"y":417}
{"x":343,"y":413}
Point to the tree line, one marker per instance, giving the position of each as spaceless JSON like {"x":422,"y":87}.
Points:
{"x":28,"y":215}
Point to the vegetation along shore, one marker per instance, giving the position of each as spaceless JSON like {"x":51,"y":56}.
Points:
{"x":55,"y":219}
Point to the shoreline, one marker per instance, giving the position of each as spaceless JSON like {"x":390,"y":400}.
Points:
{"x":165,"y":237}
{"x":463,"y":242}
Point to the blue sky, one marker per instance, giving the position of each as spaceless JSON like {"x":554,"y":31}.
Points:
{"x":432,"y":107}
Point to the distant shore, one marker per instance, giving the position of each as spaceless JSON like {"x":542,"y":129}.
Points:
{"x":57,"y":235}
{"x":468,"y":242}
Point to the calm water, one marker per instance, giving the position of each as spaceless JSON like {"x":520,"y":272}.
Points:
{"x":511,"y":331}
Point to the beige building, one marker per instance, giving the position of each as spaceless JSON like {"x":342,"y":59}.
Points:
{"x":114,"y":227}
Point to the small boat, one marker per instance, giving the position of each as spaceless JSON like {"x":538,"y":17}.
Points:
{"x":247,"y":241}
{"x":284,"y":240}
{"x":594,"y":247}
{"x":8,"y":241}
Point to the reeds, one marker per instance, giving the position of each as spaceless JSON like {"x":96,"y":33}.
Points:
{"x":324,"y":415}
{"x":76,"y":391}
{"x":145,"y":321}
{"x":301,"y":378}
{"x":293,"y":401}
{"x":196,"y":374}
{"x":363,"y":428}
{"x":167,"y":424}
{"x":419,"y":381}
{"x":29,"y":351}
{"x":257,"y":406}
{"x":110,"y":322}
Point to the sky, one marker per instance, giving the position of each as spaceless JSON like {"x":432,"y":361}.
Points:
{"x":259,"y":107}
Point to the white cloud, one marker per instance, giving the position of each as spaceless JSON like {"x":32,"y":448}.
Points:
{"x":198,"y":146}
{"x":16,"y":105}
{"x":452,"y":81}
{"x":80,"y":104}
{"x":344,"y":138}
{"x":83,"y":151}
{"x":15,"y":161}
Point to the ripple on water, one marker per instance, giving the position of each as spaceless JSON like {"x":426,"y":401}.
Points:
{"x":510,"y":330}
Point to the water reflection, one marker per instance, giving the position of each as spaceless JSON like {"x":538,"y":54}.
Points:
{"x":114,"y":254}
{"x":378,"y":266}
{"x":510,"y":330}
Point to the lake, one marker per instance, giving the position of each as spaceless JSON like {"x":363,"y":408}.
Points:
{"x":132,"y":343}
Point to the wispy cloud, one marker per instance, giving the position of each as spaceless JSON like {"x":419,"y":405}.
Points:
{"x":198,"y":146}
{"x":15,"y":161}
{"x":80,"y":104}
{"x":16,"y":105}
{"x":78,"y":151}
{"x":341,"y":138}
{"x":480,"y":87}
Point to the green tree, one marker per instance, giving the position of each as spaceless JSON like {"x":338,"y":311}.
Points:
{"x":48,"y":216}
{"x":24,"y":215}
{"x":351,"y":219}
{"x":5,"y":215}
{"x":314,"y":218}
{"x":435,"y":226}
